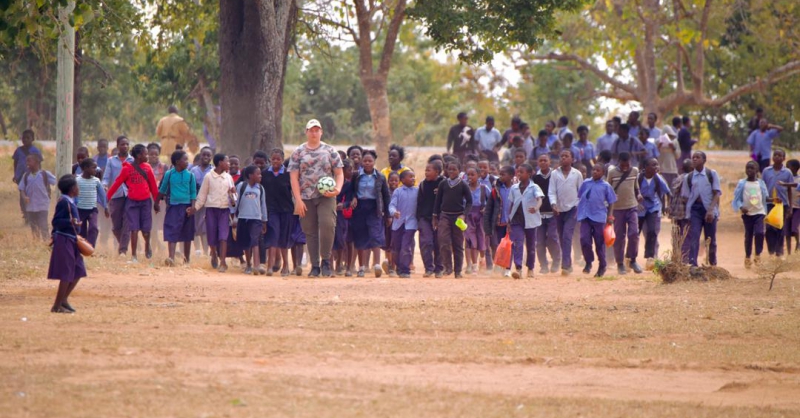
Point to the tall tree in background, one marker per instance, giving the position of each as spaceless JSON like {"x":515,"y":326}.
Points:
{"x":254,"y":41}
{"x":365,"y":23}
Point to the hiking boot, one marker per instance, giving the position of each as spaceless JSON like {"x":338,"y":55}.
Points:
{"x":748,"y":263}
{"x":636,"y":267}
{"x":315,"y":272}
{"x":621,"y":269}
{"x":326,"y":269}
{"x":588,"y":268}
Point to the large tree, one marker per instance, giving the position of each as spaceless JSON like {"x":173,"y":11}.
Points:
{"x":254,"y":41}
{"x":650,"y":51}
{"x":365,"y":23}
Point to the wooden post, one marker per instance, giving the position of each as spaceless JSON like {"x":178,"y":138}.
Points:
{"x":64,"y":95}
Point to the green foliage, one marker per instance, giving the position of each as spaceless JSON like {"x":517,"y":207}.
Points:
{"x":477,"y":29}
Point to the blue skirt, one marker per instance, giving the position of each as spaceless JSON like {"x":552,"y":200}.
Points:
{"x":66,"y":262}
{"x":367,"y":225}
{"x":296,"y":235}
{"x":278,"y":230}
{"x":340,"y":236}
{"x":177,"y":226}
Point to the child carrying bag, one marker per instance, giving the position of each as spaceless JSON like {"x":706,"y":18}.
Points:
{"x":502,"y":257}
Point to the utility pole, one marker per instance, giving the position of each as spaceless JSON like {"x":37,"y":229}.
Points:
{"x":65,"y":88}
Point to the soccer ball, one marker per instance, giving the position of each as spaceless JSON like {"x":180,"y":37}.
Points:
{"x":326,"y":184}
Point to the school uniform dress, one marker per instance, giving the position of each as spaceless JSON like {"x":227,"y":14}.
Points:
{"x":698,"y":190}
{"x":595,"y":198}
{"x":653,"y":191}
{"x":372,"y":194}
{"x":453,"y":199}
{"x":547,"y":234}
{"x":36,"y":186}
{"x":91,"y":193}
{"x":280,"y":206}
{"x":626,"y":213}
{"x":251,"y":212}
{"x":404,"y":200}
{"x":180,"y":188}
{"x":345,"y":197}
{"x":200,"y":174}
{"x":117,"y":202}
{"x":428,"y":239}
{"x":138,"y":207}
{"x":214,"y":196}
{"x":474,"y":235}
{"x":563,"y":194}
{"x":66,"y":262}
{"x":772,"y":178}
{"x":752,"y":196}
{"x":524,"y":224}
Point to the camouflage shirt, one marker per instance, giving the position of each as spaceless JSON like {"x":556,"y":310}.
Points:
{"x":313,"y":164}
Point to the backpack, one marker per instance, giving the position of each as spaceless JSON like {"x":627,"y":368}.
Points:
{"x":708,"y":175}
{"x":655,"y":179}
{"x":44,"y":180}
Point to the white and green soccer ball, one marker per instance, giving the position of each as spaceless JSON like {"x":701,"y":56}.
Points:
{"x":326,"y":184}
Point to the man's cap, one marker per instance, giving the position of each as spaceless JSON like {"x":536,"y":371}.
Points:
{"x":312,"y":123}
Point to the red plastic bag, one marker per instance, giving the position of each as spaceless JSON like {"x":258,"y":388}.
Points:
{"x":609,"y":235}
{"x":502,"y":257}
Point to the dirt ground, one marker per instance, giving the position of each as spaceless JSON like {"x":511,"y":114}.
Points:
{"x":189,"y":342}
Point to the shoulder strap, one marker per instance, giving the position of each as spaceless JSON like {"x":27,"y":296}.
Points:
{"x":483,"y":194}
{"x":25,"y":181}
{"x":622,"y":178}
{"x":240,"y":191}
{"x":141,"y":173}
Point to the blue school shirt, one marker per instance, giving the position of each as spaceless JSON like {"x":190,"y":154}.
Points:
{"x":595,"y":198}
{"x":762,"y":142}
{"x":200,"y":173}
{"x":112,"y":171}
{"x":551,"y":139}
{"x":630,"y":146}
{"x":701,"y":190}
{"x":655,"y":133}
{"x":476,"y":195}
{"x":487,"y":181}
{"x":33,"y":186}
{"x":404,"y":200}
{"x":503,"y":190}
{"x":182,"y":187}
{"x":652,"y":200}
{"x":20,"y":166}
{"x":537,"y":151}
{"x":366,"y":186}
{"x":772,"y":179}
{"x":101,"y":161}
{"x":605,"y":142}
{"x":583,"y":151}
{"x":651,"y":149}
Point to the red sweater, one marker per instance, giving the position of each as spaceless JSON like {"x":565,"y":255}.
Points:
{"x":138,"y":187}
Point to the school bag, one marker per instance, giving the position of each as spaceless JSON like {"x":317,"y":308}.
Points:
{"x":240,"y":191}
{"x":44,"y":180}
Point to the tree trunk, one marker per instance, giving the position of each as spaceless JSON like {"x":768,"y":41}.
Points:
{"x":378,"y":101}
{"x":255,"y":36}
{"x":78,"y":94}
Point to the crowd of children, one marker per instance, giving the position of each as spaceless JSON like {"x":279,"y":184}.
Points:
{"x":462,"y":208}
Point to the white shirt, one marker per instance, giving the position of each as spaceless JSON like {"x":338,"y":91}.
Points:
{"x":563,"y":191}
{"x":487,"y":140}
